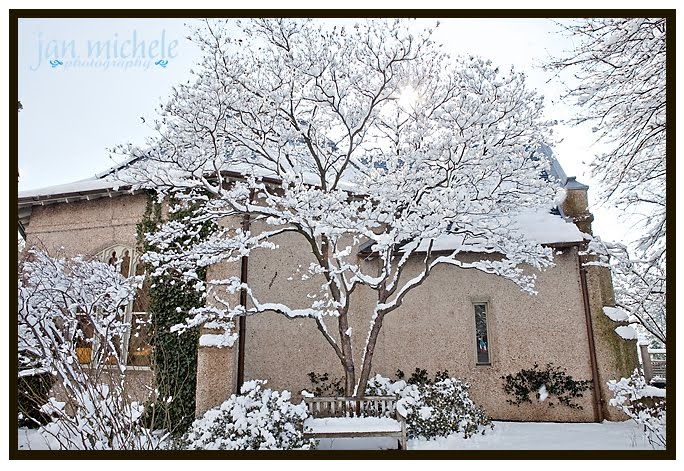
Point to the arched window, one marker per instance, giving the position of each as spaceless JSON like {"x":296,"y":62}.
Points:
{"x":134,"y":348}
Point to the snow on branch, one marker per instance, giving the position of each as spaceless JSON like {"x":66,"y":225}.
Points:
{"x":619,"y":76}
{"x":71,"y":324}
{"x":639,"y":284}
{"x":305,"y":130}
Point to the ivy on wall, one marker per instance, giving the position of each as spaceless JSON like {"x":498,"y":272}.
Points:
{"x":544,"y":382}
{"x":174,"y":357}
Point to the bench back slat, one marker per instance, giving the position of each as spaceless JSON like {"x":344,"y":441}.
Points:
{"x":370,"y":406}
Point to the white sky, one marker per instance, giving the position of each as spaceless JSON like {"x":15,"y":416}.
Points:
{"x":73,"y":115}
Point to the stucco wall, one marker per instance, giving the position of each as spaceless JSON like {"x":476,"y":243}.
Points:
{"x":434,"y":329}
{"x":217,"y":367}
{"x":616,"y":357}
{"x":86,"y":227}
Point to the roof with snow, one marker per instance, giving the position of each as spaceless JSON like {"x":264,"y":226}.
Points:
{"x":546,"y":228}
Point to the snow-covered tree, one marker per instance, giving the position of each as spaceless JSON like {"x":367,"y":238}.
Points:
{"x":644,"y":404}
{"x":639,"y":287}
{"x":369,"y":137}
{"x":70,"y":325}
{"x":619,"y":69}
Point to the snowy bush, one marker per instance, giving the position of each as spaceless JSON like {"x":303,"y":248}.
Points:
{"x":434,"y":409}
{"x":643,"y":403}
{"x":257,"y":419}
{"x":103,"y":420}
{"x":59,"y":300}
{"x":34,"y":391}
{"x":323,"y":385}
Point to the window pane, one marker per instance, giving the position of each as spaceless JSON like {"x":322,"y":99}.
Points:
{"x":84,"y":339}
{"x":110,"y":350}
{"x":139,"y":348}
{"x":142,"y":297}
{"x":482,"y":342}
{"x":110,"y":357}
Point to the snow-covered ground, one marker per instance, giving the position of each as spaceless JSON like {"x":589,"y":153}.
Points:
{"x":505,"y":436}
{"x":545,"y":436}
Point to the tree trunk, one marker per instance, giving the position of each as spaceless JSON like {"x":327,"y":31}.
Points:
{"x":349,"y":378}
{"x":368,"y":358}
{"x":348,"y":358}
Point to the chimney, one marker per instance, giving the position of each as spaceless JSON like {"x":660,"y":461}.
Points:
{"x":576,"y":204}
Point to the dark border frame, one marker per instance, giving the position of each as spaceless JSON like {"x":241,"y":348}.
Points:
{"x":668,"y":453}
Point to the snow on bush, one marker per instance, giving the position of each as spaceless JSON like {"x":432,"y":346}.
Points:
{"x":626,"y":332}
{"x":434,"y":409}
{"x":643,"y":403}
{"x":616,"y":314}
{"x":103,"y":420}
{"x":257,"y":419}
{"x":57,"y":298}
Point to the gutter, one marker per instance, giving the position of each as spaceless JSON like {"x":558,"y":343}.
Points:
{"x":123,"y":188}
{"x":242,"y":321}
{"x":596,"y":389}
{"x":64,"y":197}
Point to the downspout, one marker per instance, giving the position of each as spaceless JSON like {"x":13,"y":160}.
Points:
{"x":596,"y":389}
{"x":244,"y":265}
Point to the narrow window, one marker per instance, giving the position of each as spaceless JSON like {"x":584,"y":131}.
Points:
{"x":83,"y":338}
{"x":139,"y":348}
{"x":481,"y":337}
{"x":133,"y":347}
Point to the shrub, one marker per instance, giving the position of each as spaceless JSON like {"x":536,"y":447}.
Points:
{"x":257,"y":419}
{"x":643,"y":403}
{"x":171,"y":298}
{"x":101,"y":420}
{"x":33,"y":392}
{"x":420,"y":376}
{"x":323,"y":385}
{"x":57,"y":298}
{"x":434,"y":408}
{"x":552,"y":380}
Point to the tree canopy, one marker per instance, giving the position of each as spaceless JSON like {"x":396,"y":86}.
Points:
{"x":369,"y":137}
{"x":619,"y":67}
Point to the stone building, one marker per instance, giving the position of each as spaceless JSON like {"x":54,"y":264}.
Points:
{"x":477,"y":326}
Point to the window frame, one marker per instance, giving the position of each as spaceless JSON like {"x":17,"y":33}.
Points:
{"x":487,"y":304}
{"x":104,"y":256}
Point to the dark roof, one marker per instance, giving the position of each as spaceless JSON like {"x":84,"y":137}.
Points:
{"x":569,"y":183}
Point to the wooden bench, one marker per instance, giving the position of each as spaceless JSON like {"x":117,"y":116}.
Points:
{"x":350,"y":417}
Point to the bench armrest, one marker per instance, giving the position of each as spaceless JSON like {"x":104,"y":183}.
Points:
{"x":401,"y":411}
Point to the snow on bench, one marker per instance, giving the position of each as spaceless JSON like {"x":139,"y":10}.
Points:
{"x":349,"y":417}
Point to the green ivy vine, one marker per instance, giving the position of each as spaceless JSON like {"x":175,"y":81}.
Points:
{"x":553,"y":379}
{"x":174,"y":357}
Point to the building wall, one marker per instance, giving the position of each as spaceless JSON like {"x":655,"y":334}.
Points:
{"x":86,"y":227}
{"x":217,"y":367}
{"x":434,"y":329}
{"x":615,"y":357}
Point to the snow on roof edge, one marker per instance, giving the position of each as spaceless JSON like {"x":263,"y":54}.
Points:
{"x":80,"y":186}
